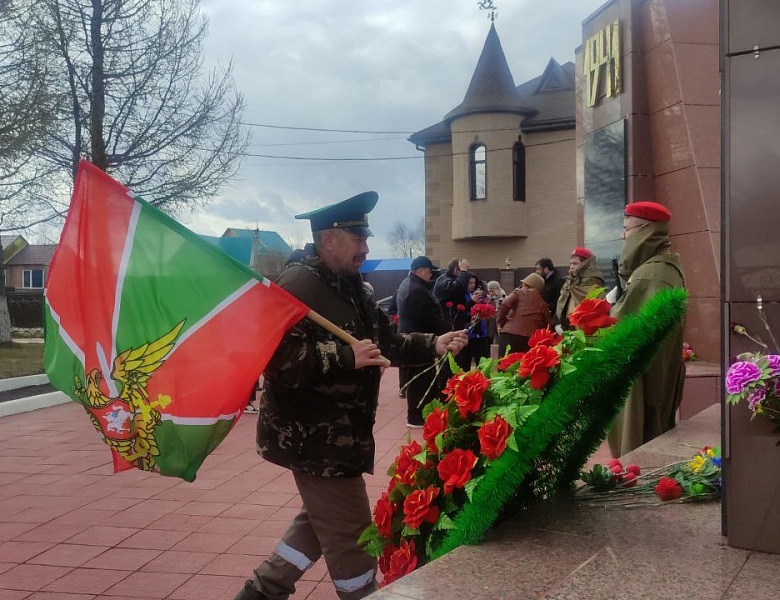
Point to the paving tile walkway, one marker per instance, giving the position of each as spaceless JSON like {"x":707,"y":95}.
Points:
{"x":70,"y":529}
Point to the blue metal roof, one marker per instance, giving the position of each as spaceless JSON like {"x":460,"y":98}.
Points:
{"x":386,"y":264}
{"x":269,"y":241}
{"x":239,"y":248}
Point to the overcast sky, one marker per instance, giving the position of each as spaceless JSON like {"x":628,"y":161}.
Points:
{"x":378,"y":66}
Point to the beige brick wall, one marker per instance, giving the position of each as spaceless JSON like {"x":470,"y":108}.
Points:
{"x":549,"y":213}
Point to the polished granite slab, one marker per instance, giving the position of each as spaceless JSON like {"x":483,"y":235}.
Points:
{"x":565,"y":551}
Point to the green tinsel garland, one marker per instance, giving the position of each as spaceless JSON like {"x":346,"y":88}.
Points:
{"x":571,"y":423}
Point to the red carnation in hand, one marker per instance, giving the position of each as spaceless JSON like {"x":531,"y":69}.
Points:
{"x":468,"y":395}
{"x":668,"y":489}
{"x":383,"y":515}
{"x":536,"y":363}
{"x":493,"y":436}
{"x":461,"y":307}
{"x":483,"y":311}
{"x":418,"y":507}
{"x":455,"y":468}
{"x":509,"y":360}
{"x":591,"y":315}
{"x":544,"y":337}
{"x":435,"y":423}
{"x":396,"y":562}
{"x":449,"y":304}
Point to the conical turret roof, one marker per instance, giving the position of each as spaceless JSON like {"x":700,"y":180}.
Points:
{"x":492,"y":88}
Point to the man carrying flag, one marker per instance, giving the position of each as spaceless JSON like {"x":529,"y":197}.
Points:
{"x":319,"y":403}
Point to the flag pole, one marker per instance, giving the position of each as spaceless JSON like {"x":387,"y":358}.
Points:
{"x":335,"y":330}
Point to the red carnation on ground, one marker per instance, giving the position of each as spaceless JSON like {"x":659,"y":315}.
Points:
{"x":544,"y":337}
{"x":668,"y":489}
{"x":509,"y":360}
{"x":634,"y":469}
{"x":419,"y":509}
{"x":493,"y":436}
{"x":435,"y":423}
{"x":591,"y":315}
{"x":455,"y":468}
{"x":468,"y":395}
{"x":536,"y":364}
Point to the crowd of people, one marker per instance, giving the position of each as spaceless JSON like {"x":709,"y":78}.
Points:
{"x":320,"y":394}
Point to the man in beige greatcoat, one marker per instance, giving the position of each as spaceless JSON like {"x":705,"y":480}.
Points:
{"x":647,"y":265}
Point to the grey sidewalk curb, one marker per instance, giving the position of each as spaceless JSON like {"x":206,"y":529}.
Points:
{"x":20,"y":405}
{"x":14,"y":383}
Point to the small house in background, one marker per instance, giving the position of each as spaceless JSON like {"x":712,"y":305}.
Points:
{"x":25,"y":268}
{"x":264,"y":252}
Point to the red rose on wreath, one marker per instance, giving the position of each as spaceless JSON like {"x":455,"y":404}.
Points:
{"x":544,"y":337}
{"x":591,"y":315}
{"x":536,"y":363}
{"x":406,"y":465}
{"x":468,"y":395}
{"x":668,"y":489}
{"x":418,"y":509}
{"x":383,"y":515}
{"x":398,"y":561}
{"x":509,"y":360}
{"x":455,"y":468}
{"x":435,"y":424}
{"x":493,"y":436}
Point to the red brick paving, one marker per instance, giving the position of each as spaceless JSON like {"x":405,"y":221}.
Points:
{"x":72,"y":530}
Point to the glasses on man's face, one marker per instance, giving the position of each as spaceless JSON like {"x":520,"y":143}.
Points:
{"x":627,"y":229}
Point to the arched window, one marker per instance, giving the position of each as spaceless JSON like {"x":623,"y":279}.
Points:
{"x":478,"y":171}
{"x":518,"y":171}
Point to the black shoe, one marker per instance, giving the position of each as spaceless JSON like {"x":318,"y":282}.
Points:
{"x":249,"y":592}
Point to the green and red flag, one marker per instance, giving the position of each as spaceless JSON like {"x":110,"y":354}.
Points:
{"x":159,"y":335}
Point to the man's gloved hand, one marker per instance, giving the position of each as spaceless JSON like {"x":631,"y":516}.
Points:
{"x":612,"y":295}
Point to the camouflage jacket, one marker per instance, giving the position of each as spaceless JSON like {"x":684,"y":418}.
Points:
{"x":316,"y":411}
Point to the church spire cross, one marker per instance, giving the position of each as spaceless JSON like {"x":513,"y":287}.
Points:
{"x":488,"y":5}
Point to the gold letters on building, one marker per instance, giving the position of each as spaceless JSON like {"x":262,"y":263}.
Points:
{"x":601,"y":64}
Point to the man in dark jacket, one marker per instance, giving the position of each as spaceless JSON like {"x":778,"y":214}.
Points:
{"x":450,"y":290}
{"x":553,"y":282}
{"x":418,"y":310}
{"x":319,"y":403}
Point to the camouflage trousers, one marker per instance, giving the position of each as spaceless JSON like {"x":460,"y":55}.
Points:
{"x":335,"y":512}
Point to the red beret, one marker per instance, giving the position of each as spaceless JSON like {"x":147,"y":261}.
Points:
{"x":583,"y":253}
{"x":651,"y":211}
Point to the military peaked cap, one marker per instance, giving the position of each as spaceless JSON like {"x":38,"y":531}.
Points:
{"x":350,"y":214}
